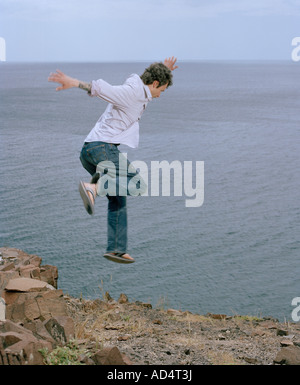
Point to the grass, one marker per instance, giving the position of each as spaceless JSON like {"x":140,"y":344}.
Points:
{"x":247,"y":318}
{"x":69,"y":354}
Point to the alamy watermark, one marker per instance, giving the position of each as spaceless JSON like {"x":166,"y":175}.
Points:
{"x":2,"y":49}
{"x":296,"y":50}
{"x":165,"y":178}
{"x":296,"y":311}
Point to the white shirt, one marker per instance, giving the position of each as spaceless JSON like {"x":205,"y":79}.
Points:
{"x":119,"y":122}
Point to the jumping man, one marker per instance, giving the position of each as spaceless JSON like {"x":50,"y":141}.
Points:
{"x":119,"y":124}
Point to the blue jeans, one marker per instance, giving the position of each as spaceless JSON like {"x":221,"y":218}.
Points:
{"x":115,"y":173}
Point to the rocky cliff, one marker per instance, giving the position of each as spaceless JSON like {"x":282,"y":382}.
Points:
{"x":38,"y":322}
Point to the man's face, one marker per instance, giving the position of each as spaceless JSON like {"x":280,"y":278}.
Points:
{"x":156,"y":90}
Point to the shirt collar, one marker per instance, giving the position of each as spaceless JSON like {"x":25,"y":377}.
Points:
{"x":147,"y":92}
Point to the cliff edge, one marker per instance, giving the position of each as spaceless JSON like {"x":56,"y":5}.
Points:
{"x":38,"y":321}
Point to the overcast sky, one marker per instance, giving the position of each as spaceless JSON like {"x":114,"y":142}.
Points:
{"x":129,"y":30}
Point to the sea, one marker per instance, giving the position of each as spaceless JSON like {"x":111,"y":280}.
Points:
{"x":238,"y":253}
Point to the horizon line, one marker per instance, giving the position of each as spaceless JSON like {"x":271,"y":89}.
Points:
{"x":138,"y":61}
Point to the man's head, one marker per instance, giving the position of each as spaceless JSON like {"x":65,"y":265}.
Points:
{"x":157,"y":77}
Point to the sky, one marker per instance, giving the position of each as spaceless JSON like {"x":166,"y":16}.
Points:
{"x":142,"y":30}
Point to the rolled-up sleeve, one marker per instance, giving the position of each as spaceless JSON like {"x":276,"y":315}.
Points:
{"x":121,"y":96}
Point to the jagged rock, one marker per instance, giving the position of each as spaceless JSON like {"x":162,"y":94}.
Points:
{"x":288,"y":356}
{"x":7,"y":266}
{"x":30,"y":271}
{"x":49,"y":274}
{"x":35,"y":260}
{"x":18,"y":346}
{"x":28,"y":296}
{"x":5,"y":276}
{"x":38,"y":329}
{"x":16,"y":263}
{"x":61,"y":328}
{"x":19,"y":257}
{"x":25,"y":307}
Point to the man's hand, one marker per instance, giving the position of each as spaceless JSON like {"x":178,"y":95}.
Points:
{"x":65,"y":81}
{"x":170,"y":63}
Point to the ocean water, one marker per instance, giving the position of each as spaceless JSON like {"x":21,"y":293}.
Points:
{"x":236,"y":254}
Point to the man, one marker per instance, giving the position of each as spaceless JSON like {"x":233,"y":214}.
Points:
{"x":111,"y":172}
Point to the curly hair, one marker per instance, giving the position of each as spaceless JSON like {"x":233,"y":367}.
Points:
{"x":159,"y":72}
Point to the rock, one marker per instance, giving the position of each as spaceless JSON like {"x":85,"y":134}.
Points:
{"x":123,"y":298}
{"x":35,"y":260}
{"x":7,"y":266}
{"x":27,"y":285}
{"x":110,"y":356}
{"x":144,"y":304}
{"x":5,"y":276}
{"x":68,"y":324}
{"x":60,"y":328}
{"x":107,"y":297}
{"x":10,"y":254}
{"x":25,"y":307}
{"x":113,"y":327}
{"x":38,"y":329}
{"x":16,"y":264}
{"x":221,"y":337}
{"x":30,"y":271}
{"x":49,"y":274}
{"x":18,"y":346}
{"x":51,"y":305}
{"x":124,"y":338}
{"x":19,"y":257}
{"x":31,"y":311}
{"x":286,"y":343}
{"x":281,"y":332}
{"x":251,"y":360}
{"x":26,"y":352}
{"x":29,"y":297}
{"x":217,"y":316}
{"x":85,"y":360}
{"x":288,"y":356}
{"x":10,"y":338}
{"x":174,"y":312}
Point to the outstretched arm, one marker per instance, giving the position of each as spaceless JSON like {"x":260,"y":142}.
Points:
{"x":68,"y":82}
{"x":170,"y":63}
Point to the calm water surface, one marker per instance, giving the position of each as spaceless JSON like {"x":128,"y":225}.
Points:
{"x":236,"y":254}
